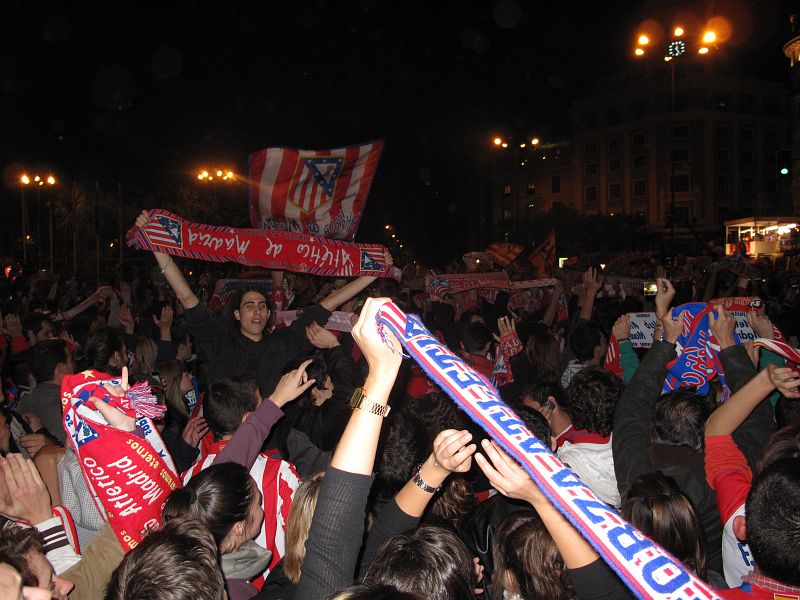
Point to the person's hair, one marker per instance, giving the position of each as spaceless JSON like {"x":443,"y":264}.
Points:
{"x":773,"y":521}
{"x":405,"y":445}
{"x":298,"y":523}
{"x":236,"y":297}
{"x":15,"y":544}
{"x":376,"y":591}
{"x":584,"y":339}
{"x":178,"y":562}
{"x":679,"y":419}
{"x":218,"y":497}
{"x":784,"y":443}
{"x":535,"y":422}
{"x":543,"y":389}
{"x":455,"y":500}
{"x":545,"y":354}
{"x":225,"y":404}
{"x":787,"y":411}
{"x":47,"y":355}
{"x":475,"y":336}
{"x":523,"y":547}
{"x":145,"y":353}
{"x":658,"y":508}
{"x":171,"y":371}
{"x":426,"y":560}
{"x":317,"y":370}
{"x":592,"y":396}
{"x":100,"y":348}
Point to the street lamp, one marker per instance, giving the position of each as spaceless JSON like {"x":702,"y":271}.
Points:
{"x":39,"y":181}
{"x":679,"y":46}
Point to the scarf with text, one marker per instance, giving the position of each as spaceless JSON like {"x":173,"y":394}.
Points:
{"x":290,"y":251}
{"x":645,"y":567}
{"x":129,"y":476}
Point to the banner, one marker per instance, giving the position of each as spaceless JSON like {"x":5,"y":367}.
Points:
{"x":319,"y":192}
{"x":504,"y":253}
{"x":169,"y":233}
{"x":129,"y":477}
{"x":648,"y":570}
{"x":439,"y":286}
{"x":543,"y":257}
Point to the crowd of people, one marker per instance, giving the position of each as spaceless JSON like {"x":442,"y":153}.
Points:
{"x":315,"y":463}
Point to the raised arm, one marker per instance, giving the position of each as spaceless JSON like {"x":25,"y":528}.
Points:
{"x":352,"y":289}
{"x":171,"y":272}
{"x":592,"y":282}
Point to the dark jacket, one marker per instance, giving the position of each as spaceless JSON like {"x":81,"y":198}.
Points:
{"x":635,"y":454}
{"x":228,"y":353}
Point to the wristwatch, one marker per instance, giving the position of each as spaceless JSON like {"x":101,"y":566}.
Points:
{"x":362,"y":402}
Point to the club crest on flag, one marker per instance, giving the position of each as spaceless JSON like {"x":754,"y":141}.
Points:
{"x":315,"y":183}
{"x":84,"y":433}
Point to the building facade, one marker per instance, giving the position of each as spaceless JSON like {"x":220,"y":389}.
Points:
{"x":677,"y":134}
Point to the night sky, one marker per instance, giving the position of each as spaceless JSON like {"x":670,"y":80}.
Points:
{"x":145,"y":92}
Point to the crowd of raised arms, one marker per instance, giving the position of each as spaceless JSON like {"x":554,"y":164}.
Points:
{"x":313,"y":463}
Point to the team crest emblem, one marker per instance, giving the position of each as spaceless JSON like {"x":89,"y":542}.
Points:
{"x":317,"y":181}
{"x":84,"y":434}
{"x":369,"y":262}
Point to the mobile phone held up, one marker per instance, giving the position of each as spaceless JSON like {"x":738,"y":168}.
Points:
{"x":649,"y":288}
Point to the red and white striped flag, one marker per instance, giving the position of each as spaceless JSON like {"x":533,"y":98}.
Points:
{"x":319,"y":192}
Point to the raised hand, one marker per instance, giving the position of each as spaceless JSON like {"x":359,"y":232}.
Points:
{"x":23,"y":494}
{"x":195,"y":430}
{"x":665,"y":294}
{"x":126,"y":318}
{"x":291,"y":385}
{"x":380,"y":357}
{"x":452,"y":450}
{"x":116,"y":418}
{"x":761,"y":325}
{"x":722,"y":326}
{"x":672,"y":329}
{"x":505,"y":474}
{"x":143,"y":219}
{"x":592,"y":282}
{"x":785,"y":380}
{"x":12,"y":325}
{"x":321,"y":337}
{"x":622,"y":328}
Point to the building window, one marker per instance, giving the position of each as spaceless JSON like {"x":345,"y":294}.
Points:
{"x":682,"y":214}
{"x":590,"y":148}
{"x":614,"y":164}
{"x":723,"y":184}
{"x":639,"y":188}
{"x":639,"y":109}
{"x":615,"y":191}
{"x":722,"y":132}
{"x":506,"y":236}
{"x":506,"y":214}
{"x":613,"y":116}
{"x":680,"y":184}
{"x":531,"y":188}
{"x":590,"y":169}
{"x":639,"y":138}
{"x":770,"y":136}
{"x":723,"y":155}
{"x":614,"y":145}
{"x":746,"y":134}
{"x":746,"y":157}
{"x":747,"y":185}
{"x":680,"y":132}
{"x":770,"y":186}
{"x":771,"y":159}
{"x":747,"y":103}
{"x":723,"y":212}
{"x":639,"y":161}
{"x":590,"y":195}
{"x":555,"y":184}
{"x":531,"y":209}
{"x":506,"y":189}
{"x":679,"y":155}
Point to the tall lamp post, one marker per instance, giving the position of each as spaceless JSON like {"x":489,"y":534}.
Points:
{"x":680,"y":45}
{"x":214,"y":176}
{"x":39,"y":181}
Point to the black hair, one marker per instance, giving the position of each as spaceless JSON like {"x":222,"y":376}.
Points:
{"x":100,"y":348}
{"x":218,"y":497}
{"x":317,"y":369}
{"x":405,"y":446}
{"x":542,"y":390}
{"x":236,"y":297}
{"x":475,"y":336}
{"x":225,"y":405}
{"x":15,"y":544}
{"x":47,"y":355}
{"x":679,"y":419}
{"x":592,"y":396}
{"x":584,"y":339}
{"x":787,"y":410}
{"x":773,"y":521}
{"x":535,"y":422}
{"x":426,"y":560}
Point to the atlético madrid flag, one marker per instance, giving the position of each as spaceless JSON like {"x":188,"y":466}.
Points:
{"x":318,"y":192}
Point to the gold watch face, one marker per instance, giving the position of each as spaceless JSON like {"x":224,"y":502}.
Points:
{"x":358,"y":398}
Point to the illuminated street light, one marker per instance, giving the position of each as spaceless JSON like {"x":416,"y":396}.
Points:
{"x":709,"y":37}
{"x":219,"y":173}
{"x":504,"y":145}
{"x":639,"y":52}
{"x":51,"y":180}
{"x":388,"y":227}
{"x":678,"y":31}
{"x":535,"y":141}
{"x":25,"y":180}
{"x":644,"y":40}
{"x":703,"y":50}
{"x":498,"y":141}
{"x":522,"y":145}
